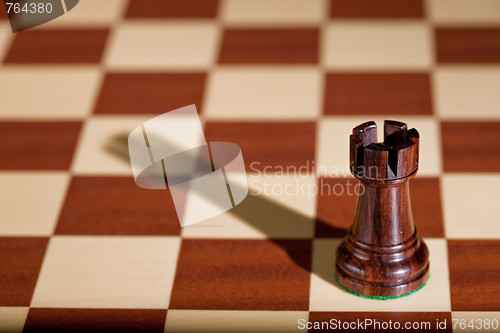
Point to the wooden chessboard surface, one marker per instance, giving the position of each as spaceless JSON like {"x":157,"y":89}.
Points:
{"x":82,"y":248}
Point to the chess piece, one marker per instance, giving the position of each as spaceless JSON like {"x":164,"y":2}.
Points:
{"x":382,"y":255}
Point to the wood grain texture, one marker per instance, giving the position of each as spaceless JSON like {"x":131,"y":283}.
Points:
{"x":376,"y":9}
{"x":116,"y":206}
{"x":172,"y":9}
{"x":3,"y":14}
{"x":456,"y":45}
{"x":155,"y":93}
{"x":378,"y":93}
{"x":77,"y":46}
{"x":268,"y":46}
{"x":37,"y":145}
{"x":474,"y":274}
{"x":427,"y":207}
{"x":382,"y":255}
{"x":242,"y":274}
{"x":95,"y":320}
{"x":21,"y":260}
{"x":468,"y":146}
{"x":274,"y":144}
{"x":335,"y":204}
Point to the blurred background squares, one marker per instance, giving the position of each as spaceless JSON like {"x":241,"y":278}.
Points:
{"x":54,"y":93}
{"x":44,"y":192}
{"x":377,"y":45}
{"x":103,"y":146}
{"x":270,"y":46}
{"x":268,"y":93}
{"x":163,"y":45}
{"x":17,"y":281}
{"x":464,"y":12}
{"x":44,"y":145}
{"x":467,"y":45}
{"x":70,"y":46}
{"x":380,"y":9}
{"x":149,"y":93}
{"x":377,"y":93}
{"x":172,"y":9}
{"x":467,"y":92}
{"x":5,"y":38}
{"x":90,"y":13}
{"x":272,"y":13}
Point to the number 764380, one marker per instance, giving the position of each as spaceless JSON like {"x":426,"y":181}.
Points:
{"x":29,"y":8}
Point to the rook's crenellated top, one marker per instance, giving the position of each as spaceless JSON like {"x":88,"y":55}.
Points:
{"x":396,"y":157}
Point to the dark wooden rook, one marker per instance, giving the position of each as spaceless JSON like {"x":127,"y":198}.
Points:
{"x":382,"y":255}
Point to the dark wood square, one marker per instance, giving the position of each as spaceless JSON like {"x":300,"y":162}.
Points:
{"x":380,"y":9}
{"x":470,"y":146}
{"x":426,"y":321}
{"x":426,"y":206}
{"x":228,"y":274}
{"x":378,"y":93}
{"x":95,"y":320}
{"x":268,"y":144}
{"x":270,"y":46}
{"x":172,"y":8}
{"x":37,"y":145}
{"x":336,"y":206}
{"x":77,"y":46}
{"x":3,"y":13}
{"x":150,"y":93}
{"x":457,"y":45}
{"x":21,"y":260}
{"x":116,"y":206}
{"x":474,"y":274}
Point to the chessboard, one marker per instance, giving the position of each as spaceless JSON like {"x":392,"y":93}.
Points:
{"x":82,"y":248}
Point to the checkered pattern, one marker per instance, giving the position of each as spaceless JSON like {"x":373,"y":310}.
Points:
{"x":83,"y":248}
